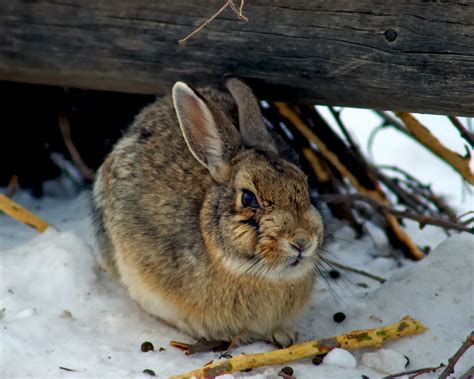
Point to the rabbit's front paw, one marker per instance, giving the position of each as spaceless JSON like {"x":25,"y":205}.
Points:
{"x":283,"y":336}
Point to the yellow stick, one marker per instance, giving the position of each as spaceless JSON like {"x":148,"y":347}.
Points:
{"x":19,"y":213}
{"x":357,"y":339}
{"x":424,"y":136}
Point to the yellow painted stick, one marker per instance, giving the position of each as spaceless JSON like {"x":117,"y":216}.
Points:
{"x":19,"y":213}
{"x":357,"y":339}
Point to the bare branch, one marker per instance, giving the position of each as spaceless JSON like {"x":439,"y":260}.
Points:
{"x":354,"y":270}
{"x":415,"y":373}
{"x":468,"y":137}
{"x":421,"y":219}
{"x":455,"y":358}
{"x":228,"y":3}
{"x":394,"y":123}
{"x":65,"y":129}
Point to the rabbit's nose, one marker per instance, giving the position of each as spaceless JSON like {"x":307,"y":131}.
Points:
{"x":300,"y":244}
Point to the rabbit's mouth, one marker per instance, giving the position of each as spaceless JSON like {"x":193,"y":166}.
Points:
{"x":295,"y":261}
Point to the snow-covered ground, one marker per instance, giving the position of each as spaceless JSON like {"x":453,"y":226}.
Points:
{"x":58,"y":310}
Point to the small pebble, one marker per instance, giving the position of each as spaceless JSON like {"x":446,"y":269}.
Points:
{"x":147,"y":346}
{"x":317,"y":360}
{"x":149,"y":372}
{"x":339,"y":317}
{"x":286,"y":372}
{"x":365,"y":377}
{"x":334,"y":274}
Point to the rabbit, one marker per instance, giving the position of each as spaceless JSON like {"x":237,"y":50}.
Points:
{"x":204,"y":223}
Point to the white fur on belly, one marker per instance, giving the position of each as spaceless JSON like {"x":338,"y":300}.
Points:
{"x":155,"y":303}
{"x":152,"y":301}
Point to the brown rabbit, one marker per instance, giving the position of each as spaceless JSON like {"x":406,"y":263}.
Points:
{"x":204,"y":223}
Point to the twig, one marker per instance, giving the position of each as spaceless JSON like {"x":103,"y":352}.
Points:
{"x":421,"y":219}
{"x":416,"y":372}
{"x":239,"y":12}
{"x":469,"y":374}
{"x":403,"y":196}
{"x":357,"y":339}
{"x":347,"y":135}
{"x":455,"y":358}
{"x":355,"y":270}
{"x":422,"y":189}
{"x":468,"y":137}
{"x":371,"y":139}
{"x":12,"y":186}
{"x":424,"y":136}
{"x":67,"y":369}
{"x":464,"y":215}
{"x":21,"y":214}
{"x":228,"y":3}
{"x":65,"y":128}
{"x":394,"y":123}
{"x":200,"y":346}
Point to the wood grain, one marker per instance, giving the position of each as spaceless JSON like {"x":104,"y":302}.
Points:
{"x":398,"y":55}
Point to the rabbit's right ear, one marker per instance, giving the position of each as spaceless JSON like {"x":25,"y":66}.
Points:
{"x":210,"y":137}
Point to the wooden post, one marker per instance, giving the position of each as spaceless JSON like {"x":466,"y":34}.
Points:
{"x":387,"y":54}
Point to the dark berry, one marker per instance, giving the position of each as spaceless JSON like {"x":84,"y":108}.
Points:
{"x":287,"y":370}
{"x":317,"y":360}
{"x":147,"y":346}
{"x":334,"y":274}
{"x":339,"y":317}
{"x":149,"y":372}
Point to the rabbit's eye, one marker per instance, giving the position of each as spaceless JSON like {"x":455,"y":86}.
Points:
{"x":249,"y":200}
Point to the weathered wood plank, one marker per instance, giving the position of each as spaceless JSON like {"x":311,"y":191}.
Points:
{"x":400,"y":55}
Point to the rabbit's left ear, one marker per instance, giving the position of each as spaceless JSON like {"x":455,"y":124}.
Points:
{"x":212,"y":145}
{"x":252,"y":128}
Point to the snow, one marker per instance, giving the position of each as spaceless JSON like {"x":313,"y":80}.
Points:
{"x":340,"y":358}
{"x":386,"y":361}
{"x":57,"y":309}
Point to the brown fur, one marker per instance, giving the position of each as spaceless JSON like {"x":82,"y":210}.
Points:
{"x":167,"y":225}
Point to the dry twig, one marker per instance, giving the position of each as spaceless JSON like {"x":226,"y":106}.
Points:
{"x":357,"y":339}
{"x":65,"y":128}
{"x":354,"y":270}
{"x":414,"y":373}
{"x":12,"y":186}
{"x":466,"y":134}
{"x":228,"y":3}
{"x":455,"y":358}
{"x":200,"y":346}
{"x":391,"y":121}
{"x":421,"y":219}
{"x":424,"y":136}
{"x":469,"y":374}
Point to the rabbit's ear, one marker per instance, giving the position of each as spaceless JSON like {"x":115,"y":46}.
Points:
{"x":210,"y":137}
{"x":252,"y":128}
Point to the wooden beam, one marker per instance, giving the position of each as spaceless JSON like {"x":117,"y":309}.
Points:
{"x":385,"y":54}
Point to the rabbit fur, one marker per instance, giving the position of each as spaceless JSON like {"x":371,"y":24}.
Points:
{"x":204,"y":221}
